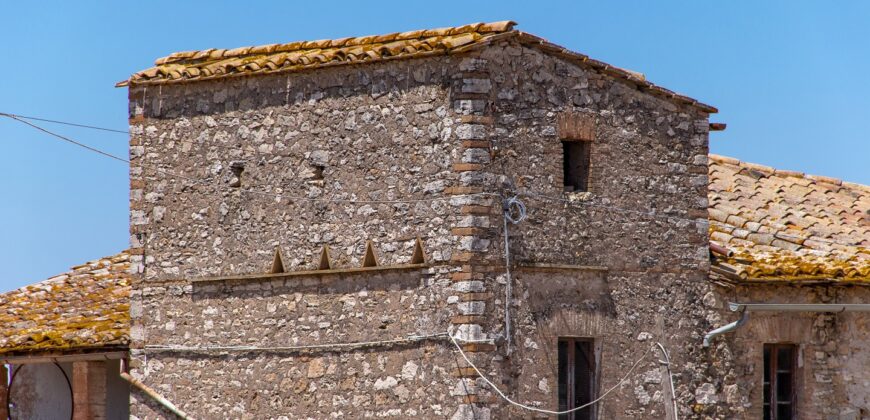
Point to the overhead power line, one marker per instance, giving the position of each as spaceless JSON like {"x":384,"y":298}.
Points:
{"x":570,"y":203}
{"x":204,"y":181}
{"x":92,"y":127}
{"x":66,"y":139}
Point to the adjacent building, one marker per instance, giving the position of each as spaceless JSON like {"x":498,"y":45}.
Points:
{"x":62,"y":343}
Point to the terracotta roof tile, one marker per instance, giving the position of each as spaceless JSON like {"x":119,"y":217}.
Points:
{"x":87,"y":307}
{"x":191,"y":66}
{"x":784,"y":225}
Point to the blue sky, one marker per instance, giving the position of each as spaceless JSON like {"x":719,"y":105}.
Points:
{"x":789,"y":78}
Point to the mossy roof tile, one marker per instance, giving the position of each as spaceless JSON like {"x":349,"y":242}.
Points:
{"x":796,"y":235}
{"x":85,"y":308}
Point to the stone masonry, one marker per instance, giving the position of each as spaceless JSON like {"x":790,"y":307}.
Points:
{"x":226,"y":172}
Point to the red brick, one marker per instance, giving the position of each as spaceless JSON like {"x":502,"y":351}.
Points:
{"x":466,"y":167}
{"x":469,"y":231}
{"x":476,"y":210}
{"x":467,"y":319}
{"x":460,"y":276}
{"x":475,"y":119}
{"x":478,"y":347}
{"x":89,"y":390}
{"x":476,"y":144}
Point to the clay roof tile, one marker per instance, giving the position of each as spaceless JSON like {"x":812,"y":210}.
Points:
{"x":807,"y":226}
{"x":86,"y":307}
{"x":200,"y":65}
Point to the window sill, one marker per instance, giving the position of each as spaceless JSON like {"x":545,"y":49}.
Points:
{"x":580,"y":196}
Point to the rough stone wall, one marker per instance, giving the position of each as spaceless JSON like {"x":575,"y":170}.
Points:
{"x":221,"y":177}
{"x":435,"y":130}
{"x":647,"y":156}
{"x":404,"y":380}
{"x":253,"y":150}
{"x":833,"y":376}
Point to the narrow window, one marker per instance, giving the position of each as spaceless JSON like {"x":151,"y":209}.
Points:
{"x":575,"y":163}
{"x":576,"y":377}
{"x":780,"y":362}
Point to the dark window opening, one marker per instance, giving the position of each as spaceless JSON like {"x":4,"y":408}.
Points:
{"x":575,"y":163}
{"x":318,"y":172}
{"x":780,"y":363}
{"x":236,"y":168}
{"x":576,"y":377}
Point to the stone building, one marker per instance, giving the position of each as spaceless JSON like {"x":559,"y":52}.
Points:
{"x":795,"y":247}
{"x":377,"y":226}
{"x":278,"y":194}
{"x":62,"y":342}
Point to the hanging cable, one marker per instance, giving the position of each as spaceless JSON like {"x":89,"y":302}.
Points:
{"x":515,"y":212}
{"x":413,"y":338}
{"x":197,"y":349}
{"x":667,"y":364}
{"x":92,"y":127}
{"x":541,"y":410}
{"x":204,"y":182}
{"x":518,"y":209}
{"x":67,"y":139}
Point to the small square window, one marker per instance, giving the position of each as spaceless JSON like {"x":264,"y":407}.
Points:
{"x":576,"y":377}
{"x":575,"y":164}
{"x":780,"y":363}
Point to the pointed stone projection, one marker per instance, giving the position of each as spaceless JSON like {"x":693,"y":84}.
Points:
{"x":277,"y":263}
{"x":419,"y":256}
{"x":325,"y":259}
{"x":370,"y":259}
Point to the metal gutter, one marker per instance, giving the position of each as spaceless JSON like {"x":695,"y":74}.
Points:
{"x":745,"y":308}
{"x":800,"y":307}
{"x":152,"y":393}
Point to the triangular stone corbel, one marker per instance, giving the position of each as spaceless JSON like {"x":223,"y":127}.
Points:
{"x":370,"y":259}
{"x":419,"y":256}
{"x":325,"y":259}
{"x":277,"y":263}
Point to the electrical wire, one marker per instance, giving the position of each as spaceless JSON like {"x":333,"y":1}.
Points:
{"x":157,"y":348}
{"x":196,"y":349}
{"x":67,"y":139}
{"x":92,"y":127}
{"x":575,"y":203}
{"x":511,"y":205}
{"x":245,"y":190}
{"x":667,"y":363}
{"x":413,"y":339}
{"x":541,"y":410}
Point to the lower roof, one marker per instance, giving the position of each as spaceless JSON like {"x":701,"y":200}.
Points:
{"x":84,"y":308}
{"x":787,"y":226}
